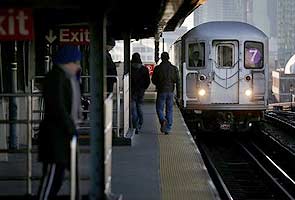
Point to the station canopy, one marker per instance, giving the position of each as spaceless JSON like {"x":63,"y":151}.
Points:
{"x":290,"y":66}
{"x":140,"y":18}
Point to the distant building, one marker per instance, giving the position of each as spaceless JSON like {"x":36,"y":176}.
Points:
{"x":261,"y":16}
{"x":118,"y":51}
{"x":211,"y":11}
{"x":222,"y":10}
{"x":249,"y":11}
{"x":272,"y":13}
{"x":283,"y":83}
{"x":286,"y":27}
{"x":144,"y":47}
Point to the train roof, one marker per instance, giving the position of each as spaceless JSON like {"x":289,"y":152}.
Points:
{"x":225,"y":30}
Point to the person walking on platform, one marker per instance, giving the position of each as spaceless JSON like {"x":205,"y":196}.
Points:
{"x":140,"y":81}
{"x":61,"y":93}
{"x":111,"y":66}
{"x":165,"y":76}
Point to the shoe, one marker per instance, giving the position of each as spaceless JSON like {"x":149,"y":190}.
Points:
{"x":111,"y":196}
{"x":163,"y":125}
{"x":136,"y":131}
{"x":167,"y":131}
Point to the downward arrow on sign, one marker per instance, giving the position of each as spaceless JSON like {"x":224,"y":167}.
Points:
{"x":50,"y":38}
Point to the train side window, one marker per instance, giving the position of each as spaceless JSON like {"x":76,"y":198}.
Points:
{"x":253,"y":55}
{"x":225,"y":54}
{"x":196,"y":54}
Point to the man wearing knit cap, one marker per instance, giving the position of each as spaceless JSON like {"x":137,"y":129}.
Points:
{"x":61,"y":93}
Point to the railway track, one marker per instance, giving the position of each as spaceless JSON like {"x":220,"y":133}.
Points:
{"x":285,"y":118}
{"x":281,"y":127}
{"x":243,"y":169}
{"x":257,"y":165}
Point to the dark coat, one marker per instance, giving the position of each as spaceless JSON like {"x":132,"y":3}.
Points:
{"x":111,"y":71}
{"x":57,"y":127}
{"x":140,"y":80}
{"x":165,"y":76}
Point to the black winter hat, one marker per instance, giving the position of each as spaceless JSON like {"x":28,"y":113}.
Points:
{"x":111,"y":42}
{"x":165,"y":56}
{"x":136,"y":58}
{"x":67,"y":54}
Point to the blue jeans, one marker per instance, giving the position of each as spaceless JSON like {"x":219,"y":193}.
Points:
{"x":165,"y":99}
{"x":136,"y":111}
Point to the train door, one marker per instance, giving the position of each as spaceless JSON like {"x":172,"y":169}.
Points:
{"x":225,"y":71}
{"x":194,"y":65}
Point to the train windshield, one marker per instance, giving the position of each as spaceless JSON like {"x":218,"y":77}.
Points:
{"x":196,"y":54}
{"x":253,"y":55}
{"x":225,"y":55}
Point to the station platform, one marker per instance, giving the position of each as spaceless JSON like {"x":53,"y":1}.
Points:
{"x":154,"y":167}
{"x":158,"y":166}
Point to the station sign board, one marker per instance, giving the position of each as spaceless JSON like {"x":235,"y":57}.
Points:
{"x":16,"y":24}
{"x":69,"y":35}
{"x":150,"y":67}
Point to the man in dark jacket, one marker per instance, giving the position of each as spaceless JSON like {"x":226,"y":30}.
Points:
{"x":61,"y":95}
{"x":165,"y":76}
{"x":140,"y":81}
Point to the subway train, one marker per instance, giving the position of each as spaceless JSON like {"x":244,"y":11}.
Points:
{"x":223,"y":68}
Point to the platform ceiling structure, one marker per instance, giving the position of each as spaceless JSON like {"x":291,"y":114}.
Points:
{"x":121,"y":19}
{"x":142,"y":19}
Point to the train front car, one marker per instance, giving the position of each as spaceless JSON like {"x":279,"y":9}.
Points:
{"x":224,"y":72}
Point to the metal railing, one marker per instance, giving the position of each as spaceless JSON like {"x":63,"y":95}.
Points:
{"x":28,"y":122}
{"x":32,"y":121}
{"x":118,"y":99}
{"x":117,"y":126}
{"x":73,"y":179}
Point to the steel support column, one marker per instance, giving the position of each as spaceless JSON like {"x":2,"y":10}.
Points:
{"x":127,"y":69}
{"x":13,"y":139}
{"x":97,"y":89}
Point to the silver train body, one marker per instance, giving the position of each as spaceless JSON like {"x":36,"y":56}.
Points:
{"x":224,"y":74}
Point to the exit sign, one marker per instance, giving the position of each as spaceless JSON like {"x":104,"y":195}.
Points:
{"x":69,"y":35}
{"x":16,"y":24}
{"x":74,"y":35}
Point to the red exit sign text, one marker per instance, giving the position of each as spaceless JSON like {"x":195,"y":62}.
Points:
{"x":16,"y":24}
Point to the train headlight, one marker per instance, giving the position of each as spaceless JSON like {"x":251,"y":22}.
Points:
{"x":202,"y":92}
{"x":248,"y":92}
{"x":248,"y":78}
{"x":202,"y":77}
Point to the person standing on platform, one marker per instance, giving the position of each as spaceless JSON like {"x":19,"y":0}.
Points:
{"x":61,"y":93}
{"x":111,"y":66}
{"x":165,"y":76}
{"x":140,"y":81}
